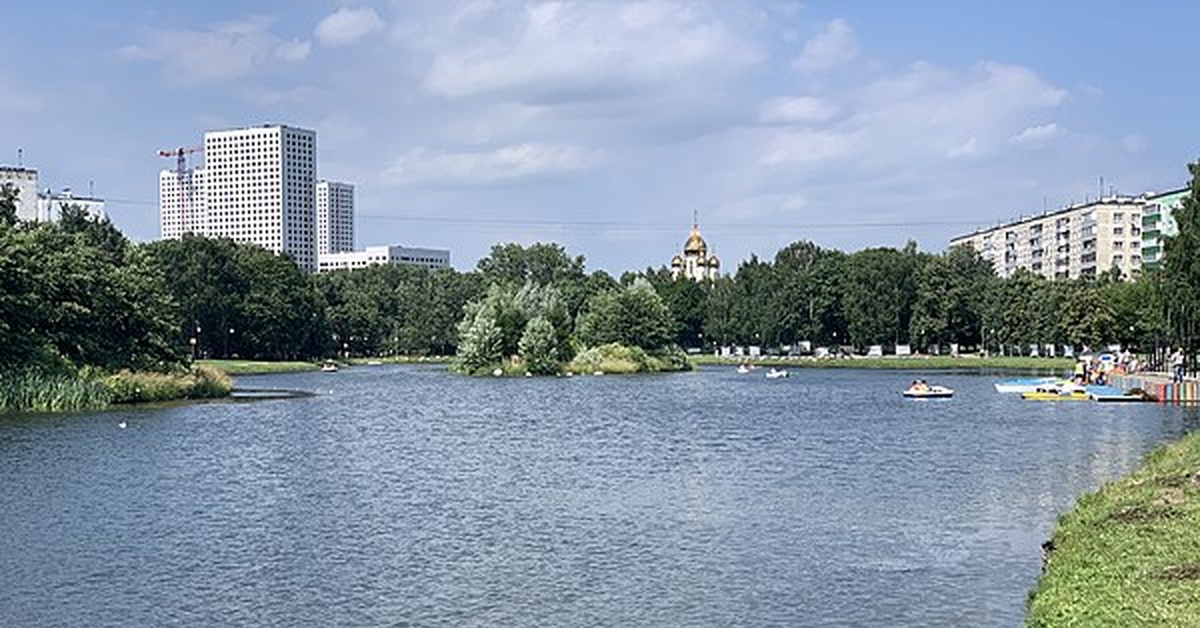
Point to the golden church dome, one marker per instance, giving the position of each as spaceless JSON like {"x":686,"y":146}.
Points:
{"x":676,"y":261}
{"x":695,"y":244}
{"x":713,"y":262}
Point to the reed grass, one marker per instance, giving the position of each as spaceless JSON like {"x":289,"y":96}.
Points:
{"x":32,"y":391}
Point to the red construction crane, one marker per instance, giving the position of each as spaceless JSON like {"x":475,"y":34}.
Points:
{"x":180,"y":154}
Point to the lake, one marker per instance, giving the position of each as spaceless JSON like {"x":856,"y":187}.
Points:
{"x":406,"y":496}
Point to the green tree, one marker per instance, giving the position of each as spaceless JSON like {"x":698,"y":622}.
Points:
{"x":8,"y":206}
{"x":634,"y":316}
{"x":539,"y":347}
{"x":479,"y":342}
{"x":1181,"y":266}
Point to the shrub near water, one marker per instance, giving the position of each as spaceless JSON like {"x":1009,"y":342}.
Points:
{"x":33,"y":391}
{"x":200,"y":382}
{"x":615,"y":358}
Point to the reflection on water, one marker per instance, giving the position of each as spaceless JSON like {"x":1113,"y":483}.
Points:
{"x":407,"y":496}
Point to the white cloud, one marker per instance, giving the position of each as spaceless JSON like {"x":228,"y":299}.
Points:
{"x":807,"y":146}
{"x":799,"y":109}
{"x":1134,"y":143}
{"x":506,"y":163}
{"x":556,"y":51}
{"x":265,"y":97}
{"x":294,"y":50}
{"x":969,"y":148}
{"x":227,"y":51}
{"x":1037,"y":135}
{"x":833,"y":46}
{"x":346,"y":26}
{"x":20,"y":98}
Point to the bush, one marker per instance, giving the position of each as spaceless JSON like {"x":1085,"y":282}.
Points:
{"x":200,"y":382}
{"x":617,"y":358}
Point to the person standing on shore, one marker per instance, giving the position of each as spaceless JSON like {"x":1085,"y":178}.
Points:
{"x":1177,"y":365}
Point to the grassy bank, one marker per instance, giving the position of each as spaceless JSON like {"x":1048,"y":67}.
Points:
{"x":257,"y":367}
{"x":201,"y":382}
{"x":1129,"y":554}
{"x":1014,"y":363}
{"x":62,"y":392}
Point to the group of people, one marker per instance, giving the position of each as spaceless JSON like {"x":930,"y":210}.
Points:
{"x":1097,"y":371}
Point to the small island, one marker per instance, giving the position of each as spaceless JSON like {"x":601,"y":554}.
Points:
{"x":529,"y":331}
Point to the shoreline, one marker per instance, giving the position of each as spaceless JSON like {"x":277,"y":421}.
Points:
{"x":916,"y":362}
{"x":1127,"y":554}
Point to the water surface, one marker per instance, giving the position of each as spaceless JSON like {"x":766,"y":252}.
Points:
{"x":405,"y":496}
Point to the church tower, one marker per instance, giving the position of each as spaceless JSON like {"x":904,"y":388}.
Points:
{"x":695,"y":263}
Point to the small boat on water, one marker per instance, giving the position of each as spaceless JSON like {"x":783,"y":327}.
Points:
{"x":1057,"y":392}
{"x":921,"y":390}
{"x":932,"y":392}
{"x":1023,"y":385}
{"x":776,"y":373}
{"x":329,"y":367}
{"x":743,"y":369}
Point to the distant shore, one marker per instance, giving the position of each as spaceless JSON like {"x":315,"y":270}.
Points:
{"x":916,"y":362}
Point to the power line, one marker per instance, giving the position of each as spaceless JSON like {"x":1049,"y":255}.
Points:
{"x":628,"y":226}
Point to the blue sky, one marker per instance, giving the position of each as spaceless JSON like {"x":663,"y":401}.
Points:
{"x":603,"y":124}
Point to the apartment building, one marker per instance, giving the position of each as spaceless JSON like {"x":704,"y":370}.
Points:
{"x":1157,"y":223}
{"x":335,"y":217}
{"x":181,"y":203}
{"x":260,"y":188}
{"x":1076,"y":241}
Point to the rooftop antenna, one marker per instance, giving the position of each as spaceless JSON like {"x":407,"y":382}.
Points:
{"x":20,"y":157}
{"x":91,"y":188}
{"x":1101,"y":186}
{"x":695,"y":219}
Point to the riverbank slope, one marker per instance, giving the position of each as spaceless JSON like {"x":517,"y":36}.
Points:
{"x":1128,"y":554}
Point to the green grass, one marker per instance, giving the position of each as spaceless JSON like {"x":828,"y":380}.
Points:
{"x":39,"y":392}
{"x":200,"y":382}
{"x":616,"y":359}
{"x":1129,"y":554}
{"x":925,"y":363}
{"x":257,"y":367}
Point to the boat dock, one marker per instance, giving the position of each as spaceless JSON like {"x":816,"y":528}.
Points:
{"x":1160,"y":386}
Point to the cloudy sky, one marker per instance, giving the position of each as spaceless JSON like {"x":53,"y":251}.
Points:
{"x":603,"y":125}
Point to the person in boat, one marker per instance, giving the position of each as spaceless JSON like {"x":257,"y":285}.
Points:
{"x":919,"y":384}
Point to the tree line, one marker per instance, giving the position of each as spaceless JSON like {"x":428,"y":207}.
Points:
{"x":77,"y":292}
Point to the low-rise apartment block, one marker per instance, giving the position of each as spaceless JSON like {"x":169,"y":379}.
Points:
{"x":1077,"y":241}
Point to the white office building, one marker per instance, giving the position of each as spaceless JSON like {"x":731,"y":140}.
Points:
{"x":259,"y":187}
{"x":25,"y":180}
{"x":50,"y":204}
{"x":181,"y":203}
{"x":432,"y":259}
{"x":335,"y":217}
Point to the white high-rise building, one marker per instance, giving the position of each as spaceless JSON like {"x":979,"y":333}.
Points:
{"x":181,"y":203}
{"x":25,"y":181}
{"x":335,"y":217}
{"x":259,"y":188}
